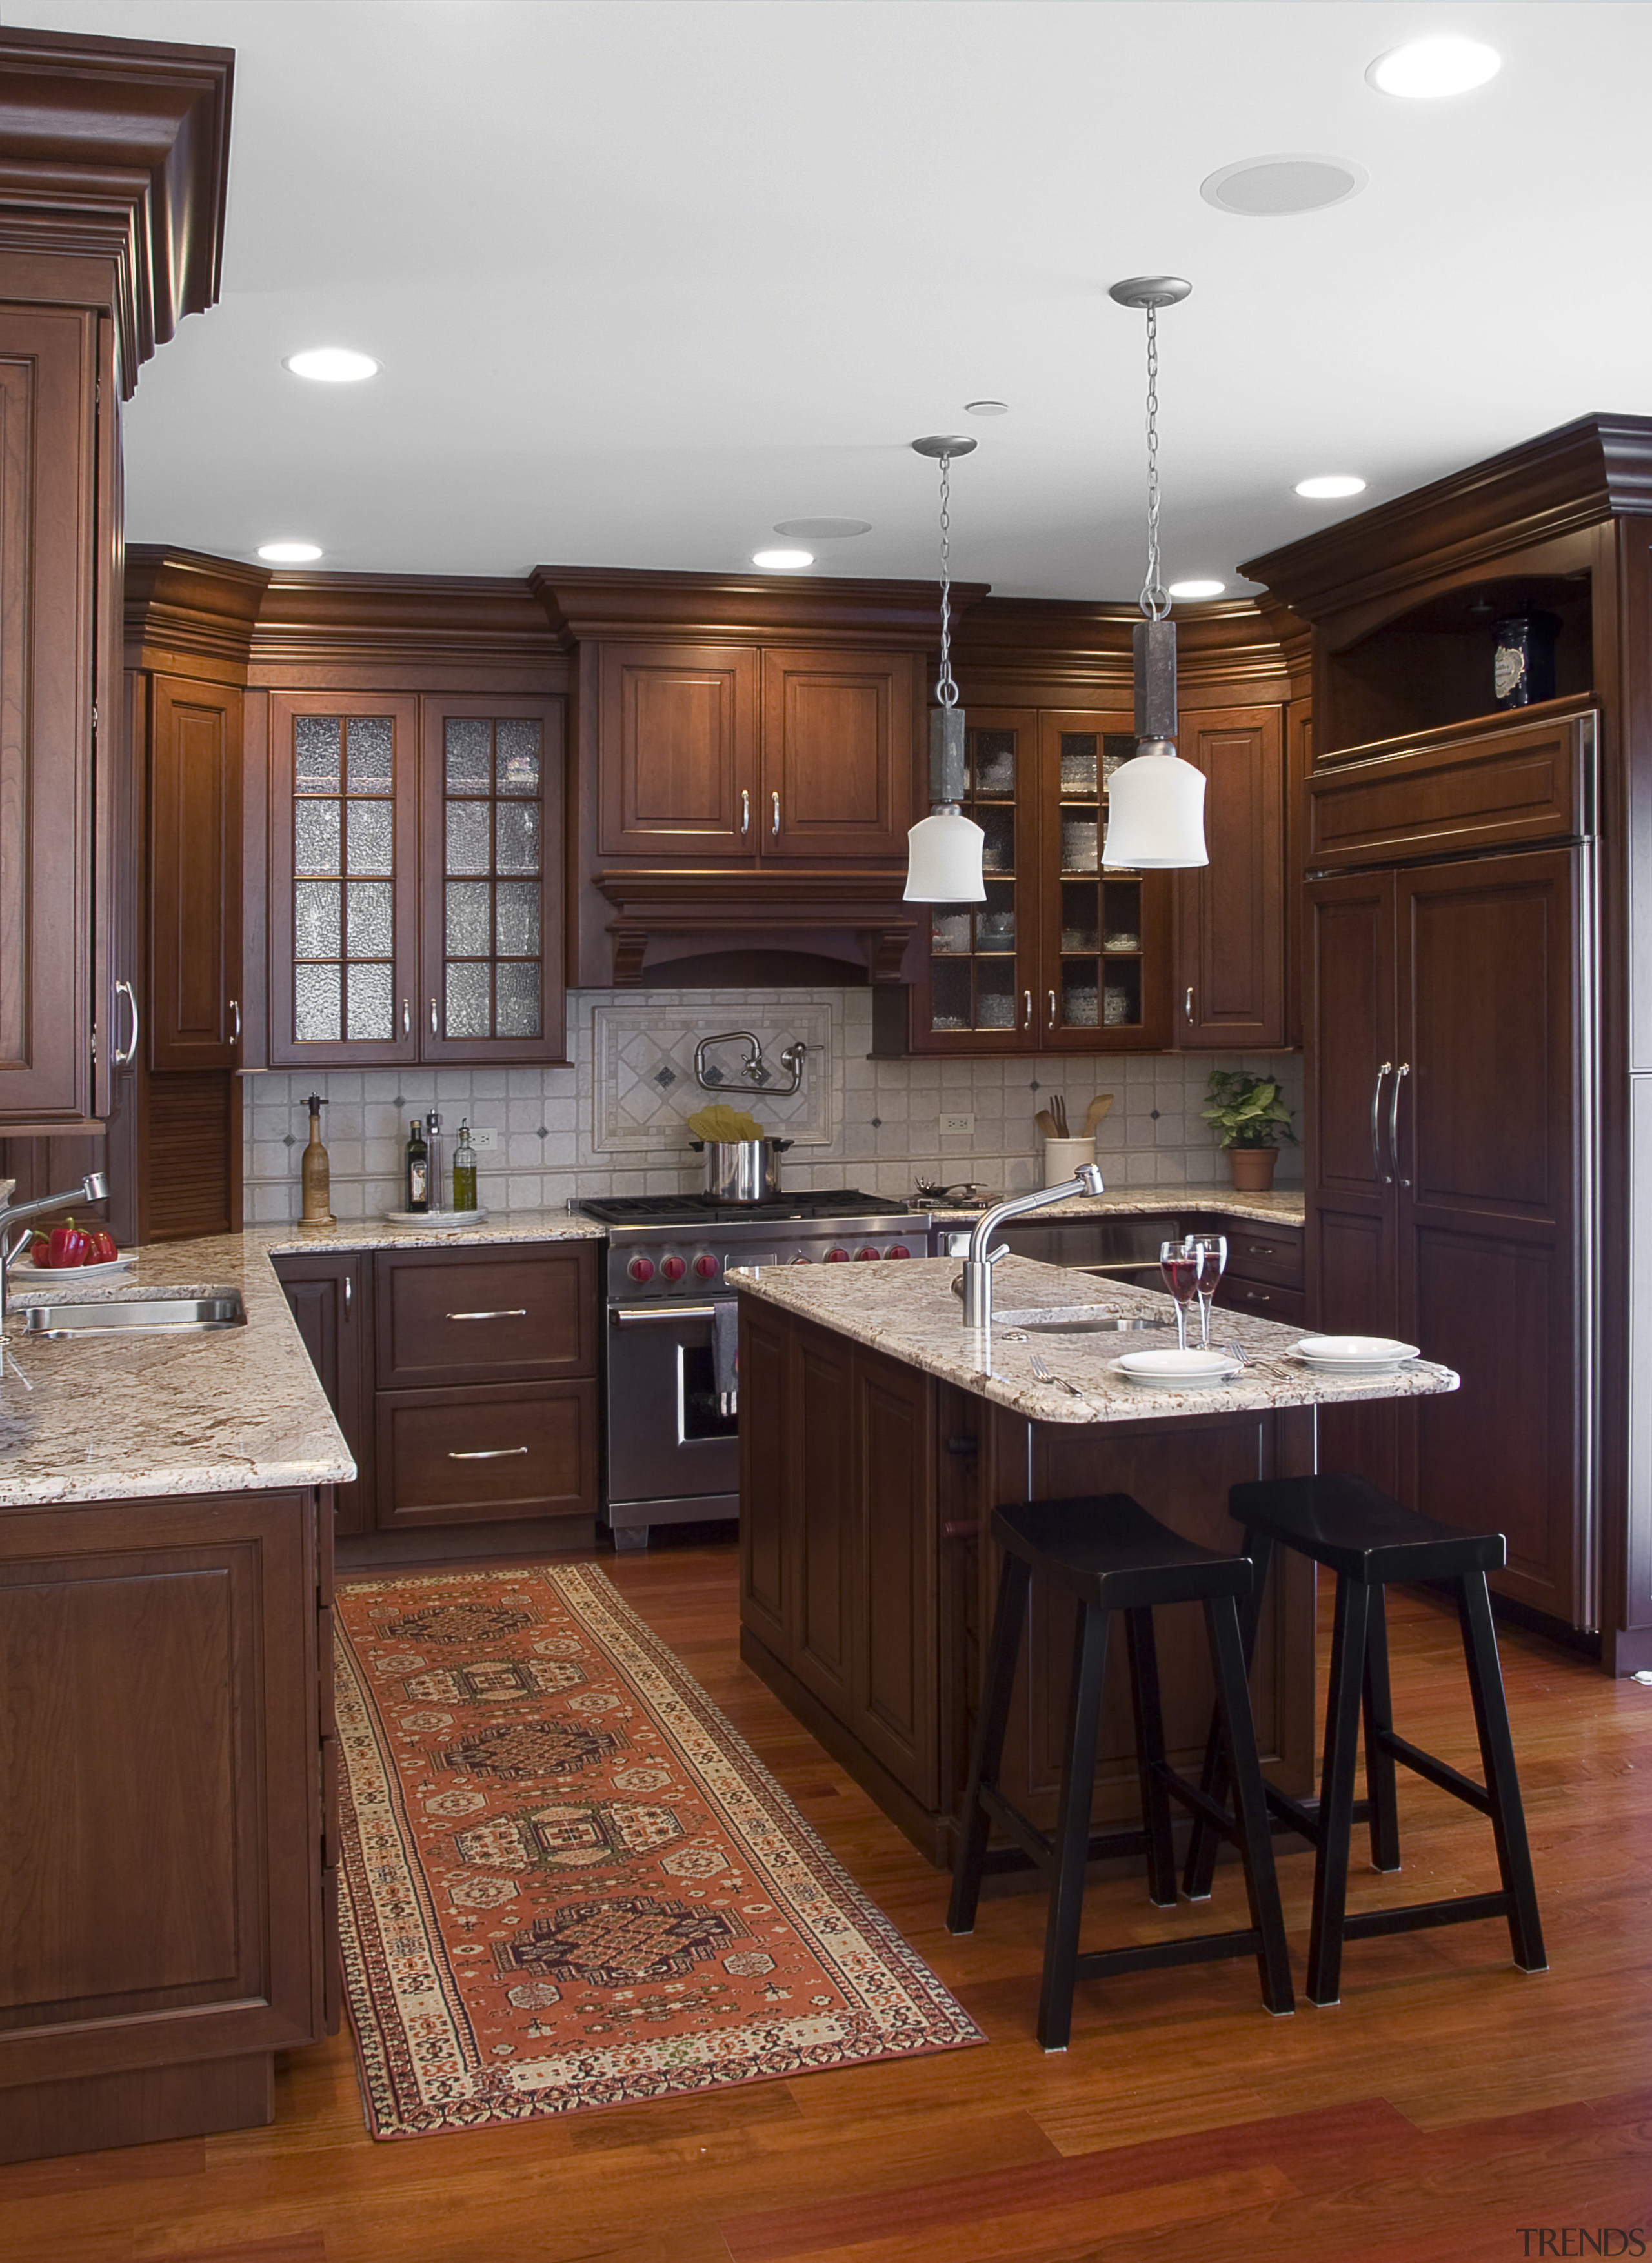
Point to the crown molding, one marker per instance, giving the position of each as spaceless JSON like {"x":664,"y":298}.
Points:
{"x":584,"y":601}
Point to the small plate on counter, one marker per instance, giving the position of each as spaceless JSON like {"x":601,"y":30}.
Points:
{"x":1354,"y":1355}
{"x":437,"y":1221}
{"x":1174,"y":1370}
{"x":60,"y":1276}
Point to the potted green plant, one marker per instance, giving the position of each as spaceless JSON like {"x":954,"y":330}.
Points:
{"x":1250,"y":1118}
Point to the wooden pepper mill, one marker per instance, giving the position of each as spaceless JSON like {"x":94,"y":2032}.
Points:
{"x":315,"y":1173}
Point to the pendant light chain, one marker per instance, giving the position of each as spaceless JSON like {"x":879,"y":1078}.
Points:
{"x":945,"y":687}
{"x":1153,"y":601}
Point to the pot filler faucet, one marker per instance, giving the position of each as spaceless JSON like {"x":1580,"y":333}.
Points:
{"x":92,"y":1188}
{"x":973,"y":1285}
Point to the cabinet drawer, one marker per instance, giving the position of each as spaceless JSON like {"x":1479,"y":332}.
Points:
{"x":1288,"y":1307}
{"x":506,"y":1316}
{"x":1262,"y":1253}
{"x":472,"y":1455}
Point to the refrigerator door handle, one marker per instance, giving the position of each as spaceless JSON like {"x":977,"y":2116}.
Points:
{"x":1400,"y":1073}
{"x":1387,"y":1177}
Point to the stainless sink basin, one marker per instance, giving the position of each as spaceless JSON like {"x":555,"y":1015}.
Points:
{"x":1079,"y":1320}
{"x":158,"y":1315}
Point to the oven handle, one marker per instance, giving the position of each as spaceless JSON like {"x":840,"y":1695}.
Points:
{"x":652,"y":1315}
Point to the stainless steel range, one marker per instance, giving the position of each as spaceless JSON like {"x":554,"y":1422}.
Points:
{"x":673,"y":1450}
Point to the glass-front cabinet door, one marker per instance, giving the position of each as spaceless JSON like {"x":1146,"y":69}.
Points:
{"x":1103,"y":936}
{"x":492,"y":985}
{"x":343,"y":878}
{"x":980,"y":995}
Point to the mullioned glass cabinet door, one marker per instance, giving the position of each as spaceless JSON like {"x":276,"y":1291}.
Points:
{"x":343,"y":878}
{"x":980,"y":994}
{"x":492,"y":985}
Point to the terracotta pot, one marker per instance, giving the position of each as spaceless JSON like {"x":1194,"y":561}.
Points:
{"x":1252,"y":1168}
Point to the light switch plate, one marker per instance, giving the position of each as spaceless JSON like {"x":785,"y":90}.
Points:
{"x":956,"y":1123}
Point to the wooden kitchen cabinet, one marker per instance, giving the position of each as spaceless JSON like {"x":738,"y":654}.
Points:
{"x":329,"y":1292}
{"x":744,"y":756}
{"x":415,"y":851}
{"x":1229,"y":985}
{"x":195,"y":766}
{"x":167,"y":1929}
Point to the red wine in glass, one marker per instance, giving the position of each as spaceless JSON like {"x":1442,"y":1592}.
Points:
{"x":1179,"y":1270}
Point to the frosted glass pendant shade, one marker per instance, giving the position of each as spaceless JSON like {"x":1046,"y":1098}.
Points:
{"x":1156,"y":811}
{"x":943,"y":860}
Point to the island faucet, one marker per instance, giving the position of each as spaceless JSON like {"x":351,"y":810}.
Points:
{"x":92,"y":1188}
{"x":973,"y":1285}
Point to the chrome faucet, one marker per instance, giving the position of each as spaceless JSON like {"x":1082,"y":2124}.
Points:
{"x":92,"y":1188}
{"x":973,"y":1285}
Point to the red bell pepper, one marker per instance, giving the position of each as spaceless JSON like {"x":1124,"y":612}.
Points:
{"x":69,"y":1246}
{"x":103,"y":1250}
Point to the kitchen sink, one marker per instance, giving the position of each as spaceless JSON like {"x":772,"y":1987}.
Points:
{"x":176,"y":1313}
{"x":1079,"y":1320}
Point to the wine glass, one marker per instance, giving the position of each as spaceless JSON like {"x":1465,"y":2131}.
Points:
{"x":1209,"y":1253}
{"x":1179,"y":1270}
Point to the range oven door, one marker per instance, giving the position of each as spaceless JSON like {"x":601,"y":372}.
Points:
{"x":671,"y":1450}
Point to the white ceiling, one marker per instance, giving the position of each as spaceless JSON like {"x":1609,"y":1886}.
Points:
{"x":646,"y":275}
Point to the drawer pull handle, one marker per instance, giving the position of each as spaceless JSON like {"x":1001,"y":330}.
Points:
{"x":1257,"y":1296}
{"x":514,"y":1312}
{"x":963,"y":1445}
{"x":488,"y":1454}
{"x":960,"y":1528}
{"x":1260,"y":1250}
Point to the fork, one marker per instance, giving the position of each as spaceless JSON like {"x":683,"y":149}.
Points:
{"x":1044,"y":1374}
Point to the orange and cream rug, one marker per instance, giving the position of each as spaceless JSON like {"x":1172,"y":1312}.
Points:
{"x":566,"y":1882}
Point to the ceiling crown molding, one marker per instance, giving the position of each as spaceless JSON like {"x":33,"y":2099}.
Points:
{"x":584,"y":601}
{"x":117,"y":150}
{"x":182,"y":602}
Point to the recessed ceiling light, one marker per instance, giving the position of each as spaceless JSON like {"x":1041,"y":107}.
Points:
{"x":823,"y":530}
{"x":1267,"y":188}
{"x":289,"y":553}
{"x":1330,"y":486}
{"x":783,"y":561}
{"x":1424,"y":69}
{"x":986,"y":409}
{"x":332,"y":364}
{"x":1196,"y":588}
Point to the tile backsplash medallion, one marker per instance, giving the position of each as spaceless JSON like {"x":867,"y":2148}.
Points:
{"x":614,"y":1120}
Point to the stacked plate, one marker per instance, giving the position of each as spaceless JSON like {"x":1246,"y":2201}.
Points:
{"x":1175,"y":1370}
{"x":437,"y":1221}
{"x":1354,"y":1355}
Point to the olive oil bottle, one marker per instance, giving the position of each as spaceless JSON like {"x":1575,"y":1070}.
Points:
{"x":418,"y":1170}
{"x":464,"y":1171}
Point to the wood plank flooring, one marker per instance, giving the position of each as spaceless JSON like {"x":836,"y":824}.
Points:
{"x":1450,"y":2108}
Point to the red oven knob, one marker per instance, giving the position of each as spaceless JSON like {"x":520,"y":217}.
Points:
{"x":673,"y":1269}
{"x":705,"y":1267}
{"x":640,"y":1267}
{"x":836,"y":1256}
{"x":861,"y":1255}
{"x":899,"y":1250}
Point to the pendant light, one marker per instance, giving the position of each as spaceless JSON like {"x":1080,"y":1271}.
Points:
{"x":1155,"y":802}
{"x":943,"y":852}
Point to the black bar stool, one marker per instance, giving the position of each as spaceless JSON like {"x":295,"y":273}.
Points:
{"x":1366,"y":1540}
{"x":1111,"y":1556}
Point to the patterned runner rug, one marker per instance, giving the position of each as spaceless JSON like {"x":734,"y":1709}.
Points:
{"x":566,"y":1882}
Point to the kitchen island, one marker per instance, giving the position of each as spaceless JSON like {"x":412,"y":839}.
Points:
{"x":876,"y":1436}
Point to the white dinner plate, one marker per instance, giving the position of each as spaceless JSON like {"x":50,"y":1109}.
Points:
{"x":437,"y":1221}
{"x":1350,"y":1355}
{"x":32,"y":1276}
{"x":1175,"y":1370}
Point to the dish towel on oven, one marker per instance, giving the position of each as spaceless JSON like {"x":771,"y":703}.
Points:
{"x":725,"y":1354}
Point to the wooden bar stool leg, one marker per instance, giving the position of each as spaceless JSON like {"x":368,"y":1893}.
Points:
{"x":1503,"y":1783}
{"x":1262,"y":1884}
{"x":1149,"y":1738}
{"x":1379,"y":1722}
{"x":1200,"y":1866}
{"x":1072,"y":1830}
{"x":1336,"y":1790}
{"x":1002,"y":1652}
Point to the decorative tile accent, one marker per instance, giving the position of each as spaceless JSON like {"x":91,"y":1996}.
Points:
{"x":645,"y":1088}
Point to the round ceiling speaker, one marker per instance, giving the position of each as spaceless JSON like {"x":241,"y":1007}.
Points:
{"x":1267,"y":188}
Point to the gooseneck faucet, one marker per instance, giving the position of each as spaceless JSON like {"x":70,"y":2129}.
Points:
{"x":91,"y":1189}
{"x":973,"y":1285}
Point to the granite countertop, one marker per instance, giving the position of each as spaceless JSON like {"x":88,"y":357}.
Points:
{"x":374,"y":1234}
{"x":1286,"y":1206}
{"x":908,"y":1313}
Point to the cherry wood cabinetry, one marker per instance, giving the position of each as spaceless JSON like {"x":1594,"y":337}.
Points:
{"x":1230,"y":914}
{"x":168,"y":1926}
{"x":330,"y":1294}
{"x":195,"y":767}
{"x":1263,"y":1273}
{"x":867,"y":1577}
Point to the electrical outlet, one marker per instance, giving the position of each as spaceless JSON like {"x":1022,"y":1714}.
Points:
{"x":484,"y":1139}
{"x":957,"y":1124}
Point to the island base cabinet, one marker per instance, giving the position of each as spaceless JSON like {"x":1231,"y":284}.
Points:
{"x":868,"y":1573}
{"x":162,"y":1884}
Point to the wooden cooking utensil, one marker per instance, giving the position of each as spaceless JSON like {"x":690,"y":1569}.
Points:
{"x":1046,"y":1124}
{"x":1096,"y":1110}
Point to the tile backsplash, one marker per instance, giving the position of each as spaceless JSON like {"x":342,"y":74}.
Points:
{"x":614,"y":1120}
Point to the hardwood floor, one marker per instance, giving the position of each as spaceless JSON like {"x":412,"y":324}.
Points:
{"x":1450,"y":2108}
